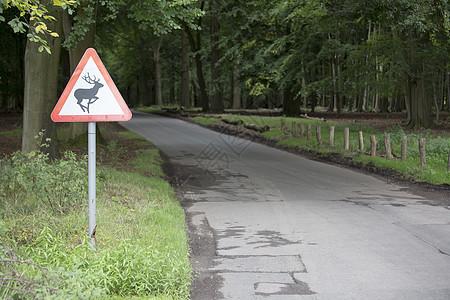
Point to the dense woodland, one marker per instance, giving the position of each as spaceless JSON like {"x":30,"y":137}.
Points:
{"x":346,"y":55}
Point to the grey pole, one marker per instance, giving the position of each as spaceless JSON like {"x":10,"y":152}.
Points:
{"x":91,"y":179}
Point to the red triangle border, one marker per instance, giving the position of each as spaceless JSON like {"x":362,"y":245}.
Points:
{"x":90,"y":53}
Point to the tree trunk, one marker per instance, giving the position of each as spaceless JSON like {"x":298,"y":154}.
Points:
{"x":40,"y":92}
{"x":448,"y":91}
{"x":332,"y":104}
{"x":338,"y":86}
{"x":204,"y":99}
{"x":216,"y":99}
{"x":304,"y":98}
{"x":185,"y":77}
{"x":290,"y":106}
{"x":419,"y":106}
{"x":236,"y":85}
{"x":145,"y":81}
{"x":196,"y":47}
{"x":172,"y":98}
{"x":417,"y":102}
{"x":157,"y":61}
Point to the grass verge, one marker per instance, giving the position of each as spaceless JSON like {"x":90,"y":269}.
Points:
{"x":437,"y":147}
{"x":142,"y":247}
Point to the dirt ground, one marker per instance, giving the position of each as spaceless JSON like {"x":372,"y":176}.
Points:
{"x":8,"y":122}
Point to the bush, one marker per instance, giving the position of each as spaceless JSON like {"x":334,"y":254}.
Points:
{"x":31,"y":180}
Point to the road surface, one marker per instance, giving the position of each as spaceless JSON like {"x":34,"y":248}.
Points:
{"x":266,"y":224}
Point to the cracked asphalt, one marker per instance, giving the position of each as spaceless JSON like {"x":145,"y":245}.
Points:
{"x":267,"y":224}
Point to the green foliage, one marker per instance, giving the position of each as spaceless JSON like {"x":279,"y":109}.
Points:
{"x":162,"y":17}
{"x":31,"y":180}
{"x":27,"y":279}
{"x":141,"y":243}
{"x":82,"y":18}
{"x":33,"y":17}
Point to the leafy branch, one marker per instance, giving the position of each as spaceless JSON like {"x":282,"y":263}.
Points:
{"x":33,"y":17}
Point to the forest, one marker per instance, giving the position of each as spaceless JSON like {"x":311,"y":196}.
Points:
{"x":344,"y":55}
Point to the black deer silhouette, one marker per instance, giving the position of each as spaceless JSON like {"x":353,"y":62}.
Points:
{"x":88,"y":94}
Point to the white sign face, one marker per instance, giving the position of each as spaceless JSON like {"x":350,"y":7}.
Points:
{"x":90,"y":95}
{"x":89,"y":86}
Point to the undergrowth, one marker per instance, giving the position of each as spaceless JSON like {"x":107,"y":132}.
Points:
{"x":141,"y":244}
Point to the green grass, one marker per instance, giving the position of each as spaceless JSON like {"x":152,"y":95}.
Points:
{"x":12,"y":133}
{"x":142,"y":246}
{"x":148,"y":108}
{"x":437,"y":147}
{"x":173,"y":106}
{"x":206,"y":121}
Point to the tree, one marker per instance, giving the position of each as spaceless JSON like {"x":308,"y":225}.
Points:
{"x":185,"y":76}
{"x":196,"y":47}
{"x":40,"y":93}
{"x":42,"y":19}
{"x":216,"y":89}
{"x":160,"y":18}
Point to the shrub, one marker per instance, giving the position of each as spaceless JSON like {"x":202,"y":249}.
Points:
{"x":31,"y":180}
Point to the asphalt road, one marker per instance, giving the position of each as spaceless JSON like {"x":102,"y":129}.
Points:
{"x":266,"y":224}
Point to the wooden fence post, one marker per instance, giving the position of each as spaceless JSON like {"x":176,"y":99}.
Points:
{"x":361,"y":141}
{"x":404,"y":147}
{"x":373,"y":145}
{"x":332,"y":136}
{"x":294,"y":129}
{"x":283,"y":126}
{"x":423,"y":156}
{"x":387,"y":146}
{"x":319,"y":135}
{"x":346,"y":138}
{"x":308,"y":131}
{"x":302,"y":130}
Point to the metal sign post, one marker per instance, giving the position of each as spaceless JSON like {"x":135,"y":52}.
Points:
{"x":91,"y":180}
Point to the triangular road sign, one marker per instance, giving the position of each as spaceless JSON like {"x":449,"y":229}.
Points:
{"x":90,"y":95}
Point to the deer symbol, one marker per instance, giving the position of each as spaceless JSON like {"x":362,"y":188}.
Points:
{"x":88,"y":94}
